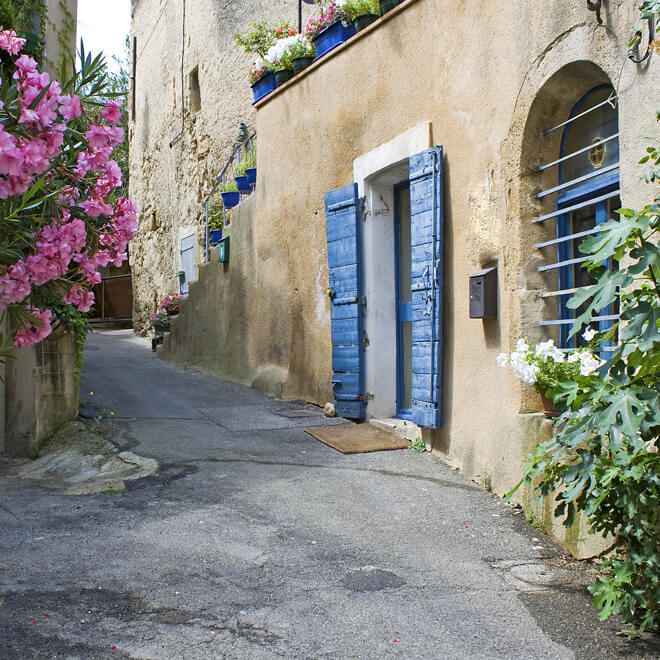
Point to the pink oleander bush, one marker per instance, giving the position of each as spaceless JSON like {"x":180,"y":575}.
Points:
{"x":60,"y":219}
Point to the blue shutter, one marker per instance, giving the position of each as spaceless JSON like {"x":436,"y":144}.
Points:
{"x":343,"y":236}
{"x":426,"y":228}
{"x":187,"y":262}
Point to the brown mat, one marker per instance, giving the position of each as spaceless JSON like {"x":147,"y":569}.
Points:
{"x":357,"y":438}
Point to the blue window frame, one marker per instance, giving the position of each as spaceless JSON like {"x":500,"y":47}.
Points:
{"x":587,"y":195}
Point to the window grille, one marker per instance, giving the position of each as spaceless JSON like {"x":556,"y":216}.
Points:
{"x":586,"y":195}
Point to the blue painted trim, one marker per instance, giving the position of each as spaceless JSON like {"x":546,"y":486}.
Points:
{"x":590,"y":189}
{"x":402,"y":413}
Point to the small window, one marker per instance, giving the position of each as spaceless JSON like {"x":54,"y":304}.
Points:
{"x":587,"y":195}
{"x":193,"y":91}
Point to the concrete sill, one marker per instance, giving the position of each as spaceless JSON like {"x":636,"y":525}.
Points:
{"x":335,"y":51}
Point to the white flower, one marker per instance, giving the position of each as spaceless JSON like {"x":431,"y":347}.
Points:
{"x":589,"y":362}
{"x":549,"y":350}
{"x":502,"y":359}
{"x":589,"y":334}
{"x":572,"y":357}
{"x":522,"y":346}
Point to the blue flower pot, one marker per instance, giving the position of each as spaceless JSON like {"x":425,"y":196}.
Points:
{"x":331,"y":37}
{"x":251,"y":173}
{"x":231,"y":199}
{"x":243,"y":184}
{"x":265,"y":85}
{"x":216,"y":236}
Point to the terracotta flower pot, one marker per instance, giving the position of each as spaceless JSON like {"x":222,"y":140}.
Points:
{"x":549,"y":409}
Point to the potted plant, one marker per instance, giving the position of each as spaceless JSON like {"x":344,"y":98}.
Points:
{"x":258,"y":40}
{"x":262,"y":80}
{"x":160,"y":322}
{"x":327,"y":30}
{"x":230,"y":195}
{"x":246,"y":171}
{"x":386,"y":5}
{"x":300,"y":52}
{"x":545,"y":367}
{"x":278,"y":56}
{"x":361,"y":12}
{"x":215,"y":221}
{"x":171,"y":303}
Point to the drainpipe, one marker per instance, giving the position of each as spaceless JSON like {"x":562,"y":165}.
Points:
{"x":206,"y":216}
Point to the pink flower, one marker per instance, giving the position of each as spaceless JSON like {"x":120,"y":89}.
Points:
{"x":10,"y":43}
{"x":112,"y":111}
{"x":70,"y":107}
{"x":25,"y":64}
{"x":33,"y":333}
{"x":96,"y":207}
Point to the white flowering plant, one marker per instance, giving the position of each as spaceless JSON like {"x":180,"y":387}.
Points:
{"x":547,"y":366}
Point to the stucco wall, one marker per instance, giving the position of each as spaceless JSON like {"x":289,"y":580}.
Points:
{"x":176,"y":154}
{"x":473,"y":72}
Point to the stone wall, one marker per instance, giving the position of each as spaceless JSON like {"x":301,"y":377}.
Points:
{"x":176,"y":153}
{"x":41,"y":393}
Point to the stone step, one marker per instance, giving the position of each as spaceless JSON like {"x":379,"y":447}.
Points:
{"x":401,"y":427}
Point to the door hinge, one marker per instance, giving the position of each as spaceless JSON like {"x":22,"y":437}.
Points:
{"x":365,"y":339}
{"x":364,"y":397}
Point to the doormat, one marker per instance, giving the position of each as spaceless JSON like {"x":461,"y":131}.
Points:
{"x":357,"y":438}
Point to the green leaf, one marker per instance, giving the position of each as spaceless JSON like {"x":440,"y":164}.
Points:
{"x":643,"y":325}
{"x":614,"y":234}
{"x":625,"y":411}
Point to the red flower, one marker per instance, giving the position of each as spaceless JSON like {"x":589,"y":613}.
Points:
{"x":278,"y":31}
{"x":292,"y":32}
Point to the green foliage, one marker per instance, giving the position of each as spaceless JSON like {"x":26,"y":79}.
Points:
{"x":355,"y":8}
{"x":419,"y":445}
{"x":262,"y":36}
{"x":604,"y":459}
{"x":28,"y":19}
{"x":74,"y":321}
{"x":248,"y":160}
{"x":229,"y":186}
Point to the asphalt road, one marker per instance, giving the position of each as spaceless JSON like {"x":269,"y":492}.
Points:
{"x":256,"y":541}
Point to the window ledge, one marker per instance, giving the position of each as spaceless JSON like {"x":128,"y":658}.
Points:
{"x":335,"y":51}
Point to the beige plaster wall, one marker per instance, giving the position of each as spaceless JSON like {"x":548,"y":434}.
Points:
{"x":176,"y":154}
{"x":473,"y":71}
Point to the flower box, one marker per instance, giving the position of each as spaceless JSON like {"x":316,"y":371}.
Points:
{"x":216,"y":236}
{"x":331,"y":37}
{"x":265,"y":85}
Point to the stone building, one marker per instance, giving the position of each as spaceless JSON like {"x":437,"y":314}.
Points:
{"x":190,"y":95}
{"x":411,"y":157}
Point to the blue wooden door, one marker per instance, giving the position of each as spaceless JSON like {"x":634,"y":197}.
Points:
{"x":426,"y":237}
{"x":402,"y":262}
{"x":187,"y":262}
{"x":345,"y":278}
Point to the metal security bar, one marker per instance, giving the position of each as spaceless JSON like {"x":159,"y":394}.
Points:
{"x":576,"y":207}
{"x":580,"y":179}
{"x":589,"y":147}
{"x":590,"y":190}
{"x":610,"y":101}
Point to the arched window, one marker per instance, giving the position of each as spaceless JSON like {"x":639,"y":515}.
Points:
{"x":587,"y":194}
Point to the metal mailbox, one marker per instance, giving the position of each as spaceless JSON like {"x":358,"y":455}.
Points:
{"x":223,"y":250}
{"x":483,"y":294}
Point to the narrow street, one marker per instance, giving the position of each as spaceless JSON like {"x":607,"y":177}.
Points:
{"x":254,"y":540}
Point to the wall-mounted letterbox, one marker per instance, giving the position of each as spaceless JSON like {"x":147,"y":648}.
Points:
{"x":223,"y":250}
{"x":483,"y":294}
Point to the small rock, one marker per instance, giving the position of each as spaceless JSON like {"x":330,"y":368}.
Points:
{"x":329,"y":410}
